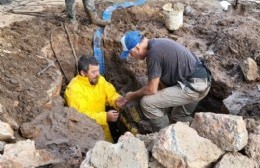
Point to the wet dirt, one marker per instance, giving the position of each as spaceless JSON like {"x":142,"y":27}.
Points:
{"x":221,"y":39}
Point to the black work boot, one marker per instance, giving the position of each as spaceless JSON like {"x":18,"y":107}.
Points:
{"x":160,"y":123}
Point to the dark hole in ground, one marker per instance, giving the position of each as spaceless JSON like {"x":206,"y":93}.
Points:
{"x":129,"y":76}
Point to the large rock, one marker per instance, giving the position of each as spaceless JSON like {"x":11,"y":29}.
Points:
{"x":8,"y":163}
{"x":65,"y":132}
{"x":253,"y":147}
{"x":227,"y":131}
{"x":235,"y":160}
{"x":23,"y":154}
{"x":244,"y":102}
{"x":250,"y":69}
{"x":180,"y":146}
{"x":128,"y":152}
{"x":5,"y":117}
{"x":6,"y":132}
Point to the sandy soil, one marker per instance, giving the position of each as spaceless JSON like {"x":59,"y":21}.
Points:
{"x":221,"y":39}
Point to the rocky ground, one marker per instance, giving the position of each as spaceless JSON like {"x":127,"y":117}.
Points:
{"x":36,"y":34}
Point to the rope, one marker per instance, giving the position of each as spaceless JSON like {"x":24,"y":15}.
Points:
{"x":55,"y":55}
{"x":71,"y":45}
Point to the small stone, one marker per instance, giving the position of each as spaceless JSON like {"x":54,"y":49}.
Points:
{"x":13,"y":81}
{"x":189,"y":11}
{"x":225,"y":5}
{"x":210,"y":52}
{"x":16,"y":103}
{"x":258,"y":87}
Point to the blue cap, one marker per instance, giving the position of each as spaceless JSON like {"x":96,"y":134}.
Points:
{"x":129,"y":41}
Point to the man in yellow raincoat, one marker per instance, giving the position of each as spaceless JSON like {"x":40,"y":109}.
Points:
{"x":89,"y":93}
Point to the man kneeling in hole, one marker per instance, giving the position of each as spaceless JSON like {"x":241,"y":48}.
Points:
{"x":89,"y":93}
{"x":177,"y":79}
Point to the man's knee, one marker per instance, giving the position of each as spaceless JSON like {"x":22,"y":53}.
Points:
{"x":144,"y":102}
{"x":149,"y":109}
{"x":143,"y":106}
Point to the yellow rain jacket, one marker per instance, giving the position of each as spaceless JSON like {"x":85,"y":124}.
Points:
{"x":91,"y":100}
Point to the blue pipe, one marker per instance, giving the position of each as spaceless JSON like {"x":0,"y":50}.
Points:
{"x":97,"y":41}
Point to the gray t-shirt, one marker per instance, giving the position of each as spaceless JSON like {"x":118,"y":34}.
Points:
{"x":169,"y":61}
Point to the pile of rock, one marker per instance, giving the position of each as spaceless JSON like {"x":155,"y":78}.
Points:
{"x":212,"y":140}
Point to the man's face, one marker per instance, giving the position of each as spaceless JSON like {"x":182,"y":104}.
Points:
{"x":93,"y":74}
{"x":139,"y":51}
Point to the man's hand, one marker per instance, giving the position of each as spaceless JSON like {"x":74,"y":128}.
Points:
{"x":129,"y":96}
{"x":121,"y":102}
{"x":112,"y":115}
{"x":149,"y":89}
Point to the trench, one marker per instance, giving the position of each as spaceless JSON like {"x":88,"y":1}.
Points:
{"x":125,"y":75}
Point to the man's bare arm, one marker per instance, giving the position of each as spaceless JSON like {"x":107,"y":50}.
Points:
{"x":149,"y":89}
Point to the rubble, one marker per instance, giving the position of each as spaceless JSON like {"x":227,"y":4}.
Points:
{"x":180,"y":146}
{"x":233,"y":160}
{"x":228,"y":132}
{"x":253,"y":147}
{"x":128,"y":152}
{"x":24,"y":154}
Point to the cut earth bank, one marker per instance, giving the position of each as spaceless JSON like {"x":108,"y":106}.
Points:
{"x":32,"y":104}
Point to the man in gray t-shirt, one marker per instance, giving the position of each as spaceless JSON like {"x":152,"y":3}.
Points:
{"x":169,"y":61}
{"x":177,"y":79}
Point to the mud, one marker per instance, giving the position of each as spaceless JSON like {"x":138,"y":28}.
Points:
{"x":220,"y":39}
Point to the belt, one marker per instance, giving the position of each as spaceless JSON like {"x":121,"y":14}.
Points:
{"x":201,"y":75}
{"x":200,"y":72}
{"x":195,"y":81}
